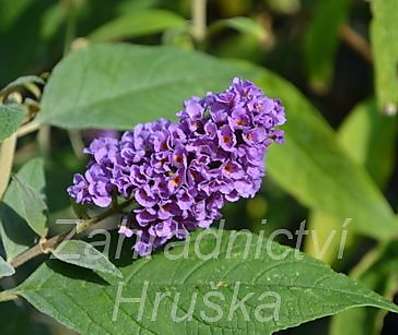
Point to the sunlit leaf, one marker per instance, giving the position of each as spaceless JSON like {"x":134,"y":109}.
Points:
{"x":139,"y":23}
{"x":305,"y":288}
{"x":14,"y":230}
{"x":11,"y":117}
{"x":385,"y":49}
{"x":368,"y":137}
{"x":32,"y":206}
{"x":121,"y":85}
{"x":83,"y":254}
{"x":313,"y":166}
{"x":5,"y":268}
{"x":377,"y":272}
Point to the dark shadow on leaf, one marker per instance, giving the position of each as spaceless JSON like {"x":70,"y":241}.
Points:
{"x":75,"y":272}
{"x":21,"y":319}
{"x":15,"y":227}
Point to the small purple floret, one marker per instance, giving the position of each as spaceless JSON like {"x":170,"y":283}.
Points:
{"x":181,"y":174}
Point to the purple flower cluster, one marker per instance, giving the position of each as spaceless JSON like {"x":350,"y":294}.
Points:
{"x":181,"y":174}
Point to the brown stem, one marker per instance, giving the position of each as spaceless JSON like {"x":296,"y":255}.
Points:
{"x":46,"y":246}
{"x":356,"y":42}
{"x":28,"y":128}
{"x":39,"y":249}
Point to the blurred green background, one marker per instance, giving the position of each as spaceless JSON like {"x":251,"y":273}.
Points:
{"x":322,"y":47}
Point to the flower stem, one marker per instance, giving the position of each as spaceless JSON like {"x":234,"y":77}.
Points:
{"x":46,"y":246}
{"x":199,"y":20}
{"x":28,"y":128}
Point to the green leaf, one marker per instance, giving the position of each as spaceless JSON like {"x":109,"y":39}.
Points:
{"x":5,"y":268}
{"x":384,"y":35}
{"x":32,"y":206}
{"x":14,"y":230}
{"x":295,"y":288}
{"x":313,"y":167}
{"x":83,"y":254}
{"x":368,"y":137}
{"x":321,"y":40}
{"x":137,"y":24}
{"x":325,"y":240}
{"x":377,"y":272}
{"x":121,"y":85}
{"x":11,"y":117}
{"x":244,"y":25}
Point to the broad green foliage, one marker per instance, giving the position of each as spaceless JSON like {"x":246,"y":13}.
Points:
{"x":32,"y":207}
{"x":83,"y":254}
{"x":313,"y":167}
{"x":14,"y":209}
{"x":5,"y":268}
{"x":136,"y":24}
{"x":368,"y":137}
{"x":195,"y":286}
{"x":246,"y":264}
{"x":121,"y":85}
{"x":11,"y":117}
{"x":310,"y":162}
{"x":322,"y":40}
{"x":385,"y":50}
{"x":325,"y":238}
{"x":376,"y":271}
